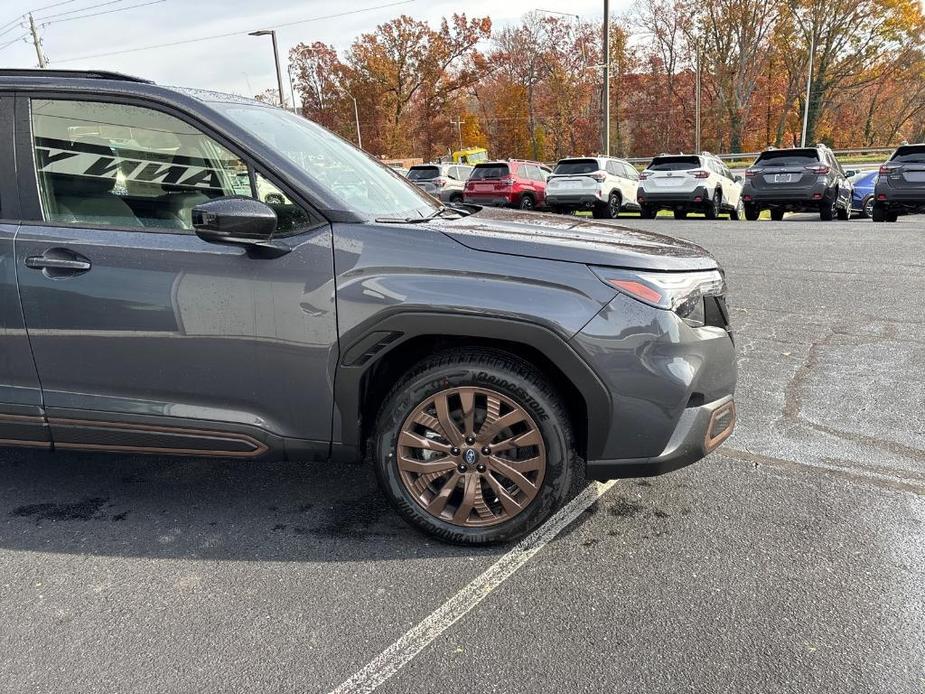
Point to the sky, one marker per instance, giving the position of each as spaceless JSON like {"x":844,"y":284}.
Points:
{"x":241,"y":64}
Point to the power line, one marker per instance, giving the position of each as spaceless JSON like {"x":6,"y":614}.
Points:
{"x":98,"y":14}
{"x":17,"y":39}
{"x":35,"y":9}
{"x":79,"y":9}
{"x":231,"y":33}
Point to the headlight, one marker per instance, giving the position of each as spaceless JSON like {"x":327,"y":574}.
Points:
{"x":681,"y":292}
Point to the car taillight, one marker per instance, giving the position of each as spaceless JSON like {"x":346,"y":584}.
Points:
{"x":886,"y":169}
{"x":644,"y":175}
{"x":681,"y":292}
{"x":700,"y":173}
{"x":599,"y":176}
{"x":820,"y":169}
{"x":507,"y":181}
{"x":749,"y":173}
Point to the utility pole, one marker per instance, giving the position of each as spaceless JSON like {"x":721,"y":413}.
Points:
{"x":697,"y":103}
{"x":37,"y":42}
{"x":605,"y":125}
{"x":295,"y":110}
{"x":279,"y":75}
{"x":458,"y":123}
{"x":809,"y":83}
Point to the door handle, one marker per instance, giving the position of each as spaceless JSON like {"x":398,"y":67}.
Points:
{"x":58,"y":262}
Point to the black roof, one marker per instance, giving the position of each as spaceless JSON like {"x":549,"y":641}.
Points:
{"x":77,"y":74}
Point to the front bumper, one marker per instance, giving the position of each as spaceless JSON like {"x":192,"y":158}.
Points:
{"x":665,"y":379}
{"x":700,"y":430}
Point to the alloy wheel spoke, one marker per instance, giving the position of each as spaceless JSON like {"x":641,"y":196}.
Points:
{"x":504,"y":468}
{"x":450,"y":430}
{"x":507,"y":501}
{"x":467,"y":398}
{"x":490,"y":430}
{"x":420,"y":467}
{"x":438,"y":503}
{"x":528,"y":438}
{"x":472,"y":487}
{"x":411,"y":440}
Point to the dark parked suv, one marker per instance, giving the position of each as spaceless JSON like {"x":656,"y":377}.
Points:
{"x":900,"y":187}
{"x":805,"y":179}
{"x":153,"y":301}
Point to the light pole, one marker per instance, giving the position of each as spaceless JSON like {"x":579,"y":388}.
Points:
{"x":809,"y":83}
{"x":605,"y":129}
{"x":291,"y":88}
{"x":279,"y":75}
{"x":356,"y":116}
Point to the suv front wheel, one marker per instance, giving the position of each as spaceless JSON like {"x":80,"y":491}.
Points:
{"x":474,"y":447}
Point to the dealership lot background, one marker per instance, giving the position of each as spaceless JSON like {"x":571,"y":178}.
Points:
{"x":791,"y":560}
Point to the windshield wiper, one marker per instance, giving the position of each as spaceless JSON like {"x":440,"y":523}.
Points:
{"x":439,"y":212}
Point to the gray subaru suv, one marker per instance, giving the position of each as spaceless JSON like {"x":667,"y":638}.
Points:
{"x":155,"y":297}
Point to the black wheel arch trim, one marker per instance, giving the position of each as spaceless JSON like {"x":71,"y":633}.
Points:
{"x":349,"y":377}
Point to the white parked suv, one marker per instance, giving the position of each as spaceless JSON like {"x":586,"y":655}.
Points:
{"x":689,"y":183}
{"x":604,"y":185}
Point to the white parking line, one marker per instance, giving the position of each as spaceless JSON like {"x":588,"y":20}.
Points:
{"x":416,"y":639}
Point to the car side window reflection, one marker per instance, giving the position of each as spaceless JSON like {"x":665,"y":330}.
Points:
{"x":291,"y":217}
{"x":108,"y":164}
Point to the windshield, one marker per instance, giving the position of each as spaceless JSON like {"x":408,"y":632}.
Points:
{"x":909,"y":155}
{"x":482,"y":172}
{"x":799,"y":157}
{"x":423,"y":173}
{"x":576,"y":166}
{"x":363,"y":185}
{"x":674,"y":163}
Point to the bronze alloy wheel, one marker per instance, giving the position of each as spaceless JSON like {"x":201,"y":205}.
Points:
{"x":471,"y":456}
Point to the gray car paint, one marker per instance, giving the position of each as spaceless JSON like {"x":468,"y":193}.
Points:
{"x":170,"y":326}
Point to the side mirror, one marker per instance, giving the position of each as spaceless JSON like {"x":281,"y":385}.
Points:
{"x":739,"y":179}
{"x":238,"y":220}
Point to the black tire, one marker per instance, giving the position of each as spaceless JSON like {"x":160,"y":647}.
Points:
{"x":844,"y":213}
{"x":680,"y":214}
{"x":456,"y":198}
{"x":711,"y":211}
{"x":878,"y":214}
{"x":867,"y":207}
{"x":526,"y":202}
{"x":752,"y":212}
{"x":514,"y":379}
{"x":828,"y":209}
{"x":614,"y":203}
{"x":777,"y":214}
{"x":737,"y":212}
{"x":647,"y":212}
{"x":892,"y":216}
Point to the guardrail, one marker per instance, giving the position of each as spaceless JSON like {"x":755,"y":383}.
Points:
{"x":752,"y":155}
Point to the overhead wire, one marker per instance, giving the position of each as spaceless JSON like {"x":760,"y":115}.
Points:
{"x":231,"y":33}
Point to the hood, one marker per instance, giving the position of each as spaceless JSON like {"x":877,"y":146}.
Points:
{"x":572,"y":239}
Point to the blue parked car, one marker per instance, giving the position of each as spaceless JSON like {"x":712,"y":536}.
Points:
{"x":862,"y":200}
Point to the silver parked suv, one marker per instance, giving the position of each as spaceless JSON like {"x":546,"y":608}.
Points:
{"x":600,"y":184}
{"x":444,"y":181}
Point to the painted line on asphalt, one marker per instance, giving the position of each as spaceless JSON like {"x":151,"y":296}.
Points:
{"x":416,"y":639}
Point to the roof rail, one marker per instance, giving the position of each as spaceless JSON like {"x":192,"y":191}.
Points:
{"x":79,"y":74}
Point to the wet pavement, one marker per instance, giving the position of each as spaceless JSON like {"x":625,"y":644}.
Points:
{"x":791,"y":560}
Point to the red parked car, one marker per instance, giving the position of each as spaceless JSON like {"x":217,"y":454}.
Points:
{"x":512,"y":183}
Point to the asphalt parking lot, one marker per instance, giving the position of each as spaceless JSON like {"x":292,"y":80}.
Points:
{"x":792,"y":560}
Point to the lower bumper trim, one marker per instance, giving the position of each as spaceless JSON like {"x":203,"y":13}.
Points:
{"x":700,"y":430}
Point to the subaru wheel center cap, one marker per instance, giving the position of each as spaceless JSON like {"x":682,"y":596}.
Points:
{"x":470,"y":456}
